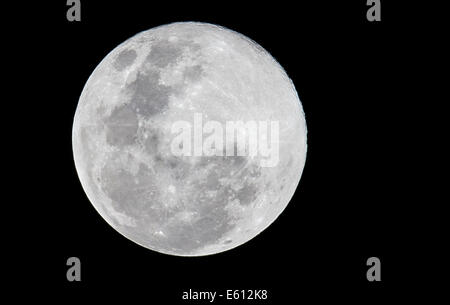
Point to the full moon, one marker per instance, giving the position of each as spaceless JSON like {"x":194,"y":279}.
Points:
{"x":123,"y":139}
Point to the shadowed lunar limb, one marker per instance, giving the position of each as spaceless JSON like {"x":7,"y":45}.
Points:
{"x":185,"y":205}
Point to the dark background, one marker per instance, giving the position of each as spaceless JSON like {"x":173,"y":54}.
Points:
{"x":353,"y":201}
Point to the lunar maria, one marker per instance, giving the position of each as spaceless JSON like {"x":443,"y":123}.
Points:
{"x":153,"y":150}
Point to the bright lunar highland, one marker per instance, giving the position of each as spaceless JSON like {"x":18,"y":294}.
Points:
{"x":122,"y":135}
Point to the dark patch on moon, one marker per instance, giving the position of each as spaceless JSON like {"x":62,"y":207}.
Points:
{"x":124,"y":59}
{"x":152,"y":142}
{"x":212,"y":180}
{"x":148,"y":97}
{"x":121,"y":126}
{"x":164,"y":52}
{"x":247,"y":194}
{"x":193,"y":73}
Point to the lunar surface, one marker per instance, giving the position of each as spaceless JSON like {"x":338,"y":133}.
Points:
{"x":123,"y":130}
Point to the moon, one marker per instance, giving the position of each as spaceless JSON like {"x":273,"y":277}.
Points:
{"x":123,"y":130}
